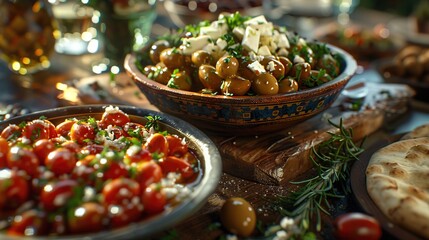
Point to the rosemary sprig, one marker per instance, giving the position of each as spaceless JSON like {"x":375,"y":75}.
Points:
{"x":332,"y":160}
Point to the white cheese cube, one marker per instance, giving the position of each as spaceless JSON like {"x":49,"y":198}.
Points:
{"x":191,"y":45}
{"x":283,"y":52}
{"x":220,"y":25}
{"x":266,"y":29}
{"x":238,"y":32}
{"x":283,"y":41}
{"x":256,"y":67}
{"x":210,"y":31}
{"x":298,"y":59}
{"x":251,"y":39}
{"x":256,"y":20}
{"x":221,"y":43}
{"x":264,"y":51}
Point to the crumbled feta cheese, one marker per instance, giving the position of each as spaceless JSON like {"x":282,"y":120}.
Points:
{"x":112,"y":109}
{"x":221,"y":43}
{"x":298,"y":59}
{"x":271,"y":66}
{"x":256,"y":67}
{"x":283,"y":41}
{"x":264,"y":51}
{"x":238,"y":32}
{"x":283,"y":52}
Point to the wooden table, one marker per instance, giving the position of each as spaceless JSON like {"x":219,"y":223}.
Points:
{"x":43,"y":95}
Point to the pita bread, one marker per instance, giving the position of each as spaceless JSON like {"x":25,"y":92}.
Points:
{"x":397,"y":179}
{"x":422,"y":131}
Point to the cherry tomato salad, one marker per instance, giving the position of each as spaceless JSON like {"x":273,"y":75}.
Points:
{"x":87,"y":175}
{"x":238,"y":55}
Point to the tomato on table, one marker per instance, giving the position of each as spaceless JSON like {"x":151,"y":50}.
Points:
{"x":357,"y":226}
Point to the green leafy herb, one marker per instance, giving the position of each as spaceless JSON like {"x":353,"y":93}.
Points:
{"x":153,"y":122}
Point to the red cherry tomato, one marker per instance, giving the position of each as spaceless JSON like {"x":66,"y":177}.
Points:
{"x":88,"y":217}
{"x":82,"y":132}
{"x":148,"y":173}
{"x":61,"y":161}
{"x":157,"y":143}
{"x":32,"y":222}
{"x":84,"y":172}
{"x":23,"y":159}
{"x":4,"y":149}
{"x":92,"y":149}
{"x":39,"y":129}
{"x":56,"y":194}
{"x":58,"y":224}
{"x":110,"y":169}
{"x":153,"y":199}
{"x":115,"y":118}
{"x":357,"y":226}
{"x":136,"y":154}
{"x":11,"y":132}
{"x":175,"y":164}
{"x":176,"y":147}
{"x":72,"y":146}
{"x":120,"y":191}
{"x":42,"y":148}
{"x":63,"y":129}
{"x":122,"y":215}
{"x":14,"y":189}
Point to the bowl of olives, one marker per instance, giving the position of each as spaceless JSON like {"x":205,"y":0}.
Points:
{"x":240,"y":75}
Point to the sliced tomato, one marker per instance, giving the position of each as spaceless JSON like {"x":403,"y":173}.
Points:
{"x":176,"y":146}
{"x":4,"y":149}
{"x":14,"y":189}
{"x":357,"y":226}
{"x":42,"y":148}
{"x":111,"y":169}
{"x":148,"y":173}
{"x":157,"y":143}
{"x":11,"y":132}
{"x":136,"y":154}
{"x":32,"y":222}
{"x":115,"y":118}
{"x":178,"y":165}
{"x":39,"y":129}
{"x":122,"y":215}
{"x":82,"y":132}
{"x":63,"y":129}
{"x":61,"y":161}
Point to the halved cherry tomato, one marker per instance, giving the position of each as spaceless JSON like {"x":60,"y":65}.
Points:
{"x":72,"y":146}
{"x":153,"y":199}
{"x":39,"y":129}
{"x":148,"y":173}
{"x":56,"y":194}
{"x":82,"y":132}
{"x":61,"y":161}
{"x":42,"y":148}
{"x":87,"y":217}
{"x":11,"y":132}
{"x":157,"y":143}
{"x":63,"y":129}
{"x":122,"y":215}
{"x":137,"y":154}
{"x":14,"y":189}
{"x":32,"y":222}
{"x":23,"y":159}
{"x":4,"y":149}
{"x":116,"y":118}
{"x":176,"y":147}
{"x":357,"y":226}
{"x":119,"y":191}
{"x":110,"y":169}
{"x":175,"y":164}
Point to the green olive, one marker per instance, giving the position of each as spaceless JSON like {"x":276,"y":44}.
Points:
{"x":209,"y":78}
{"x":330,"y":64}
{"x":238,"y":216}
{"x":172,"y":58}
{"x":287,"y":63}
{"x":274,"y":66}
{"x":287,"y":85}
{"x":159,"y":74}
{"x":156,"y":49}
{"x":300,"y":71}
{"x":148,"y":69}
{"x":227,"y":66}
{"x":180,"y":80}
{"x":235,"y":86}
{"x":244,"y":71}
{"x":201,"y":57}
{"x":265,"y":84}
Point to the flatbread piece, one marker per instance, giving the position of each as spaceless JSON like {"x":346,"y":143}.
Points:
{"x":397,"y":179}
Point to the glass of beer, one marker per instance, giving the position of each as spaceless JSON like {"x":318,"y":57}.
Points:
{"x":27,"y":37}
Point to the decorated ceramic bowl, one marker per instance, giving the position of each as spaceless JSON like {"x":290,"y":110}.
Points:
{"x":201,"y":187}
{"x":244,"y":115}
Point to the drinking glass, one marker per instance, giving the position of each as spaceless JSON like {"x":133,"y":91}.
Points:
{"x":27,"y":37}
{"x":125,"y":26}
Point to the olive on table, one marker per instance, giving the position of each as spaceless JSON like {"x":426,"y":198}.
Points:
{"x":265,"y":84}
{"x":238,"y":216}
{"x":235,"y":86}
{"x":287,"y":85}
{"x":209,"y":78}
{"x":172,"y":58}
{"x":201,"y":57}
{"x":156,"y":49}
{"x":300,"y":71}
{"x":227,"y":66}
